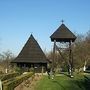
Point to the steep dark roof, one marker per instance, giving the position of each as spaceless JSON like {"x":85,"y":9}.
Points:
{"x":63,"y":34}
{"x":31,"y":53}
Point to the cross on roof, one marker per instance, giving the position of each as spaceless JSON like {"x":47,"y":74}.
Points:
{"x":62,"y":21}
{"x":31,"y":32}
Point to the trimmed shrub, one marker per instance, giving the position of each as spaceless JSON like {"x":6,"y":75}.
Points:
{"x":8,"y":76}
{"x":18,"y":69}
{"x":10,"y":85}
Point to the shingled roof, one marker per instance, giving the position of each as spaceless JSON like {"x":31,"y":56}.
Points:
{"x":63,"y":34}
{"x":31,"y":53}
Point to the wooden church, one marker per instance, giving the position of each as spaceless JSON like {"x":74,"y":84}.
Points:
{"x":31,"y":55}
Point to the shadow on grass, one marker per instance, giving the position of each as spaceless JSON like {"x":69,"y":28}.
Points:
{"x":59,"y":84}
{"x":87,"y":83}
{"x":82,"y":84}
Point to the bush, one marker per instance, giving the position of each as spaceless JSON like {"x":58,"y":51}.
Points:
{"x":1,"y":72}
{"x":31,"y":69}
{"x":16,"y":81}
{"x":18,"y":69}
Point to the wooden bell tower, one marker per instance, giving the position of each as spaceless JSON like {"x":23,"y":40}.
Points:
{"x":63,"y":34}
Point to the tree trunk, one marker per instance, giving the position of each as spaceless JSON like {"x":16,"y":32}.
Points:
{"x":84,"y":68}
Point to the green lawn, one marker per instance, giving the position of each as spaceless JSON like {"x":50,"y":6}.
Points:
{"x":62,"y":83}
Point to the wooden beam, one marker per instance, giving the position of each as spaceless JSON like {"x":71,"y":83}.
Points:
{"x":53,"y":61}
{"x":70,"y":59}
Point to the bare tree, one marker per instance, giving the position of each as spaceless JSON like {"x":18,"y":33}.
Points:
{"x":6,"y":58}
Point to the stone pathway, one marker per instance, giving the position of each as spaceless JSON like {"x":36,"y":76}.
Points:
{"x":30,"y":83}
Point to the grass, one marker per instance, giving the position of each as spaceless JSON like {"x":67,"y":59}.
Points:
{"x":62,"y":83}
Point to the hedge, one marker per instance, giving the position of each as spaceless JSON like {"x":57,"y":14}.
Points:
{"x":8,"y":76}
{"x":16,"y":81}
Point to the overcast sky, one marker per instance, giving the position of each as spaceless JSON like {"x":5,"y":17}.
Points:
{"x":20,"y":18}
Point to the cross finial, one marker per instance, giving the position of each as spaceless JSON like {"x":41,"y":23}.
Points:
{"x":62,"y":21}
{"x":31,"y":32}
